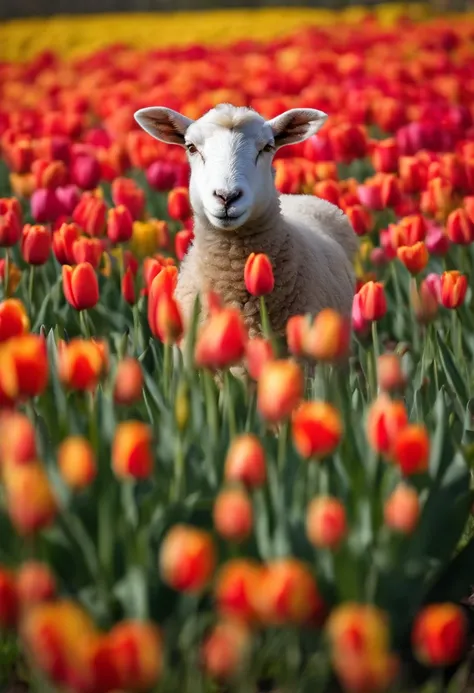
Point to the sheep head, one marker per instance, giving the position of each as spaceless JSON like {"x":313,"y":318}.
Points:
{"x":230,"y":151}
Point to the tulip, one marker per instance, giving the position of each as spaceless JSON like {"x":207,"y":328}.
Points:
{"x":469,"y":207}
{"x":17,"y":439}
{"x":233,"y":515}
{"x":328,"y":190}
{"x":128,"y":287}
{"x":35,"y":583}
{"x":328,"y":338}
{"x":63,"y":242}
{"x":138,"y":649}
{"x":87,"y":250}
{"x":453,"y":289}
{"x":222,"y":340}
{"x":370,"y":194}
{"x":30,"y":362}
{"x":390,"y":375}
{"x":128,"y":382}
{"x":437,"y":199}
{"x":258,"y":352}
{"x":357,"y":629}
{"x":179,"y":207}
{"x":125,"y":192}
{"x":415,"y":257}
{"x":76,"y":462}
{"x":81,"y":364}
{"x":279,"y":390}
{"x":132,"y":455}
{"x":326,"y":524}
{"x":360,"y":219}
{"x":85,"y":172}
{"x":49,"y":174}
{"x":119,"y":224}
{"x":459,"y":228}
{"x":296,"y":330}
{"x":163,"y":283}
{"x":13,"y":319}
{"x":385,"y":156}
{"x":167,"y":322}
{"x":235,"y":588}
{"x":10,"y":229}
{"x":148,"y":236}
{"x":402,"y":509}
{"x":411,"y":449}
{"x":288,"y":594}
{"x":316,"y":429}
{"x":20,"y":155}
{"x":412,"y":174}
{"x":368,"y":673}
{"x":425,"y":298}
{"x":245,"y":461}
{"x":225,"y":649}
{"x":80,"y":285}
{"x":258,"y":275}
{"x":412,"y":228}
{"x":90,"y":214}
{"x":182,"y":243}
{"x":187,"y":559}
{"x":349,"y":142}
{"x":439,"y":635}
{"x":30,"y":500}
{"x":386,"y":420}
{"x":437,"y":241}
{"x":161,"y":176}
{"x":68,"y":196}
{"x":373,"y":302}
{"x":35,"y":244}
{"x":45,"y":205}
{"x":8,"y":599}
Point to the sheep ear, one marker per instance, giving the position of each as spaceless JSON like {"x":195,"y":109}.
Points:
{"x":163,"y":124}
{"x":296,"y":125}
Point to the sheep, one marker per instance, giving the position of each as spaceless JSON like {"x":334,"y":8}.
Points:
{"x":237,"y":211}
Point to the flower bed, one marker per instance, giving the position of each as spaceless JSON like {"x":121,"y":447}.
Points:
{"x":160,"y":531}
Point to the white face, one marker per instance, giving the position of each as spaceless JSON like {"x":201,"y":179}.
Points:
{"x":230,"y":152}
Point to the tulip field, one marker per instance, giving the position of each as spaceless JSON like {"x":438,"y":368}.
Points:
{"x":164,"y":525}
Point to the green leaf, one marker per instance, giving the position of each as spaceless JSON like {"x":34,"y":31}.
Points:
{"x":442,"y":449}
{"x":452,"y":373}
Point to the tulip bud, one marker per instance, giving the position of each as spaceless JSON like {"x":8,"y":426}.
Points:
{"x":35,"y":244}
{"x":87,"y":250}
{"x":279,"y":390}
{"x":13,"y":319}
{"x":187,"y":559}
{"x":76,"y":462}
{"x":316,"y":429}
{"x":453,"y":289}
{"x":233,"y":515}
{"x":8,"y":599}
{"x":411,"y":450}
{"x":258,"y":352}
{"x":63,"y":242}
{"x":127,"y":193}
{"x":385,"y":156}
{"x":235,"y":589}
{"x":161,"y":176}
{"x":245,"y":461}
{"x":225,"y":649}
{"x":326,"y":524}
{"x":439,"y":635}
{"x":328,"y":338}
{"x":85,"y":172}
{"x":128,"y":382}
{"x":17,"y":439}
{"x":296,"y":330}
{"x":179,"y":207}
{"x":80,"y":285}
{"x":258,"y":275}
{"x":119,"y":224}
{"x":90,"y":213}
{"x":45,"y":206}
{"x":373,"y":302}
{"x":390,"y":375}
{"x":168,"y":323}
{"x":30,"y":360}
{"x":35,"y":583}
{"x":402,"y":509}
{"x":132,"y":456}
{"x":385,"y":421}
{"x":30,"y":500}
{"x":81,"y":364}
{"x":460,"y":228}
{"x":360,"y":219}
{"x":222,"y":340}
{"x":415,"y":257}
{"x":49,"y":174}
{"x":328,"y":190}
{"x":182,"y":243}
{"x":10,"y":229}
{"x":437,"y":242}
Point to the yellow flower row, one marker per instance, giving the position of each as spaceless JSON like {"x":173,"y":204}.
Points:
{"x":79,"y":34}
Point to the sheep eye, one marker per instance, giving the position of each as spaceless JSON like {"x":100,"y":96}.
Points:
{"x":268,"y":147}
{"x":192,"y":149}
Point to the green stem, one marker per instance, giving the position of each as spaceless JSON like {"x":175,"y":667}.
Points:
{"x":180,"y":478}
{"x":84,"y":324}
{"x":31,"y":284}
{"x":212,"y":416}
{"x":136,"y":328}
{"x":166,"y":369}
{"x":282,"y":443}
{"x":267,"y":333}
{"x":230,"y":405}
{"x":6,"y":276}
{"x":375,"y":356}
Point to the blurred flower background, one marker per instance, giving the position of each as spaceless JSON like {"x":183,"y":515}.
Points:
{"x":163,"y":525}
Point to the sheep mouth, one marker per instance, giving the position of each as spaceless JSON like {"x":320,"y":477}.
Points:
{"x":224,"y":220}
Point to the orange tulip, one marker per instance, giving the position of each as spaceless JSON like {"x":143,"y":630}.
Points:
{"x":415,"y":257}
{"x":328,"y":338}
{"x":119,"y":224}
{"x":63,"y":243}
{"x":30,"y":500}
{"x":316,"y":429}
{"x":35,"y":244}
{"x":235,"y":588}
{"x":411,"y":449}
{"x":13,"y":319}
{"x":14,"y":276}
{"x":179,"y":206}
{"x":288,"y":594}
{"x":402,"y":509}
{"x":87,"y":250}
{"x":373,"y":302}
{"x":233,"y":514}
{"x":164,"y":282}
{"x":187,"y":559}
{"x":224,"y":650}
{"x":8,"y":599}
{"x":390,"y":375}
{"x":168,"y":323}
{"x":296,"y":330}
{"x":81,"y":287}
{"x":132,"y":456}
{"x":439,"y":635}
{"x":17,"y":439}
{"x":386,"y":419}
{"x":76,"y":462}
{"x":128,"y":382}
{"x":371,"y":673}
{"x":30,"y":358}
{"x":258,"y":352}
{"x":81,"y":363}
{"x":460,"y":228}
{"x":35,"y":583}
{"x":357,"y":630}
{"x":258,"y":274}
{"x":453,"y":289}
{"x":245,"y":461}
{"x":222,"y":340}
{"x":279,"y":390}
{"x":326,"y":524}
{"x":137,"y":650}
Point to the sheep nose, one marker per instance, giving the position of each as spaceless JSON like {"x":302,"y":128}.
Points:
{"x":228,"y":196}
